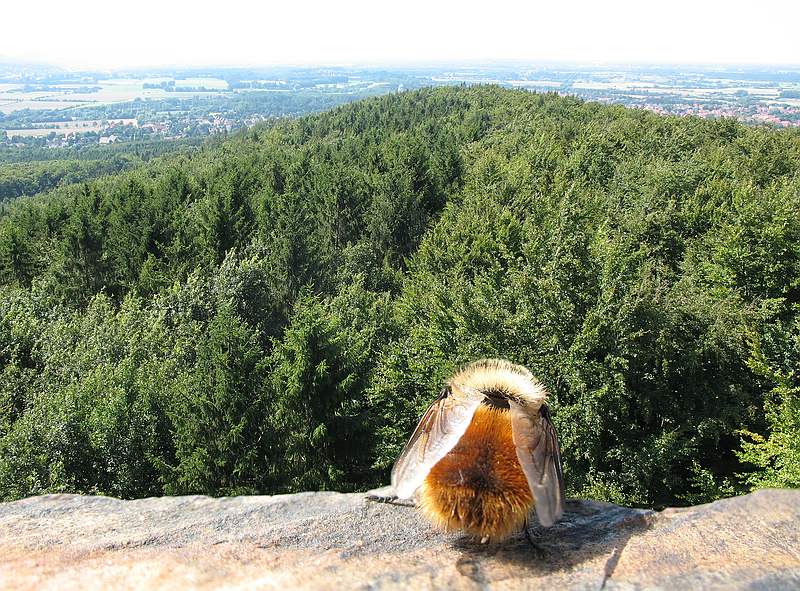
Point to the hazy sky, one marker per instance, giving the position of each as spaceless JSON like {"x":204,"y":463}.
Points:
{"x":108,"y":33}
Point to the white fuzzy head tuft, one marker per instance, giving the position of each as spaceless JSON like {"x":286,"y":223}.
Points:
{"x":498,"y":374}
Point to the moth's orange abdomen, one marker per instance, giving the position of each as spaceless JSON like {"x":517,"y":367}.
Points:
{"x":479,"y":486}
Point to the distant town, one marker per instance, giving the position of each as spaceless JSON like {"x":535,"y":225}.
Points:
{"x":43,"y":107}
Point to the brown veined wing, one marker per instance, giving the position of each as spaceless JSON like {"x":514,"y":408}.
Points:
{"x":539,"y":455}
{"x":438,"y":431}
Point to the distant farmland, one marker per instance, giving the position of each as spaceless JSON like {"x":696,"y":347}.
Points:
{"x":16,"y":97}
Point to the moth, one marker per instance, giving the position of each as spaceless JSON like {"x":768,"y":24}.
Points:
{"x":485,"y":454}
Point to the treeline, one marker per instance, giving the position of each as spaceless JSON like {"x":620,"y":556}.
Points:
{"x":138,"y":149}
{"x":273,"y":314}
{"x":37,"y":170}
{"x":29,"y":178}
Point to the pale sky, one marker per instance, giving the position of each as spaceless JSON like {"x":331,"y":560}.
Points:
{"x":112,"y":34}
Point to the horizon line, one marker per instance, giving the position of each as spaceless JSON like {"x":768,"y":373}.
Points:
{"x":413,"y":63}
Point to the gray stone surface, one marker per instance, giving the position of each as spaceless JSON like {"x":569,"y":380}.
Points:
{"x":338,"y":541}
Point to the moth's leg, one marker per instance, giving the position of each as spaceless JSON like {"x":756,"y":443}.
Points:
{"x":380,"y":498}
{"x":536,"y":547}
{"x":389,"y":499}
{"x":528,"y":534}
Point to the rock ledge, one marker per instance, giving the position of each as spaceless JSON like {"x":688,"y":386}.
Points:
{"x":330,"y":540}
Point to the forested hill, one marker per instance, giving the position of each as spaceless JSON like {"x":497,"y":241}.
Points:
{"x":274,"y":313}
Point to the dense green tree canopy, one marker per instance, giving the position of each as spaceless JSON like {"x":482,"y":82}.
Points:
{"x":273,"y":313}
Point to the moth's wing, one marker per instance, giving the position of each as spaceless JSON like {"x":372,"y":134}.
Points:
{"x":538,"y":453}
{"x":437,"y":433}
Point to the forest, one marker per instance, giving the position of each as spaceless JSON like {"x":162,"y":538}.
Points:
{"x":27,"y":171}
{"x":272,"y":313}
